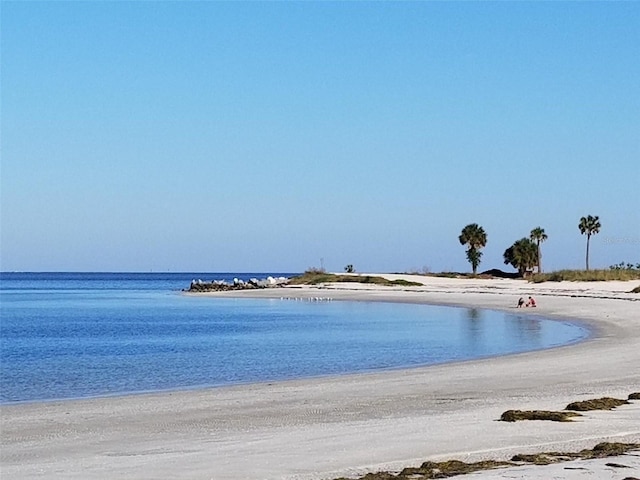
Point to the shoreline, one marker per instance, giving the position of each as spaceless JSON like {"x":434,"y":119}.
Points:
{"x":590,"y":328}
{"x":321,"y":428}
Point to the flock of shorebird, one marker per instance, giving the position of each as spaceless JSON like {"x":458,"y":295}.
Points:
{"x":308,"y":299}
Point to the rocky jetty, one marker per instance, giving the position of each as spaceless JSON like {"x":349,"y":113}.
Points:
{"x":237,"y":284}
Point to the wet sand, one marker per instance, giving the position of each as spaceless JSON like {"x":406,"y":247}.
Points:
{"x":346,"y":426}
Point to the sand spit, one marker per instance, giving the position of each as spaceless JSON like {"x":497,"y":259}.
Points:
{"x":350,"y":425}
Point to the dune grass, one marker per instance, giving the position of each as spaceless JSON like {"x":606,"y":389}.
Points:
{"x":315,"y":277}
{"x":586,"y":276}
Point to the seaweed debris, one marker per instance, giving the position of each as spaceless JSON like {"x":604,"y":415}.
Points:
{"x":515,"y":415}
{"x":429,"y":470}
{"x":601,"y":450}
{"x":450,"y":468}
{"x":604,"y":403}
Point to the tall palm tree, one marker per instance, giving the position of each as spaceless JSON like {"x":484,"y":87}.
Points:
{"x":538,"y":236}
{"x":474,"y":236}
{"x":590,"y":226}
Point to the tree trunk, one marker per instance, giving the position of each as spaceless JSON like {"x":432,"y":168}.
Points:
{"x":539,"y":258}
{"x":587,"y":259}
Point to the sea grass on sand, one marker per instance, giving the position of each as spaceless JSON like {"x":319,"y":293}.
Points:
{"x":516,"y":415}
{"x":430,"y":470}
{"x":450,"y":468}
{"x":604,"y":403}
{"x":601,"y":450}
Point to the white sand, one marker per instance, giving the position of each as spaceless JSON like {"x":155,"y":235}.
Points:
{"x":323,"y":428}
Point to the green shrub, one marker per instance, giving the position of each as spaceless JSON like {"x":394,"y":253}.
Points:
{"x":625,"y":266}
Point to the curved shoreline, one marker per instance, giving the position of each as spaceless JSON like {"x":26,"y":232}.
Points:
{"x":327,"y":427}
{"x":590,"y":332}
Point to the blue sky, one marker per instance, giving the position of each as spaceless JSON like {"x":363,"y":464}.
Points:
{"x":266,"y":136}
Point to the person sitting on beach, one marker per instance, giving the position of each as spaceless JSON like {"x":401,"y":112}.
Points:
{"x":531,"y":302}
{"x":520,"y":302}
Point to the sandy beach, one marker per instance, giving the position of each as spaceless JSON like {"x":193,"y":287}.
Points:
{"x":323,"y":428}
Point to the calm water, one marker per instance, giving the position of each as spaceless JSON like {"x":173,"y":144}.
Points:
{"x":78,"y":335}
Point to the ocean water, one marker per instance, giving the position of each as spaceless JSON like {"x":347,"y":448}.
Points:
{"x":74,"y":335}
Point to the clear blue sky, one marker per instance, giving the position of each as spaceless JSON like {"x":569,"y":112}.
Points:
{"x":265,"y":136}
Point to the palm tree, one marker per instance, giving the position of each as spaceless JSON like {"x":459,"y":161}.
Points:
{"x":538,"y":236}
{"x":590,"y":226}
{"x":475,"y":238}
{"x":523,"y":255}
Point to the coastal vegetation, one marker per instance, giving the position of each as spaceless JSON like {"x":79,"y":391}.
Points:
{"x":315,"y":276}
{"x":475,"y":238}
{"x":525,"y":255}
{"x":538,"y":236}
{"x":589,"y":225}
{"x":522,"y":255}
{"x":587,"y":276}
{"x":625,"y":266}
{"x":611,"y":274}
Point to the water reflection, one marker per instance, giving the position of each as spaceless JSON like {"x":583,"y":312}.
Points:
{"x":483,"y":331}
{"x":473,"y":326}
{"x":523,"y":330}
{"x":474,"y":314}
